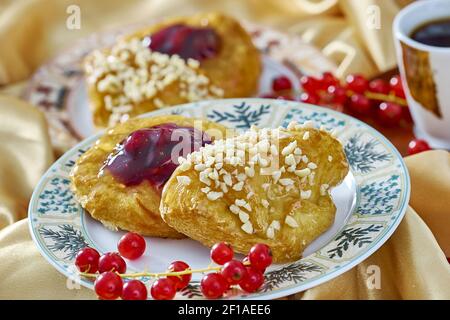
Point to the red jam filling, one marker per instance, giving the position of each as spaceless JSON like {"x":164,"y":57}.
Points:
{"x":186,"y":41}
{"x":152,"y":153}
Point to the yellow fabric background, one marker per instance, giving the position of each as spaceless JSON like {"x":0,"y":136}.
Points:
{"x":412,"y":262}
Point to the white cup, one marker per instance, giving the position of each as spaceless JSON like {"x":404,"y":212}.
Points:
{"x":425,"y":72}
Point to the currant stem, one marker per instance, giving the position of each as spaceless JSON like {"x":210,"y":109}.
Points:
{"x":385,"y":97}
{"x":158,"y":275}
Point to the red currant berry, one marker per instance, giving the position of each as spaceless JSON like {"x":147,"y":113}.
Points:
{"x":379,"y":86}
{"x":260,"y":256}
{"x":163,"y":289}
{"x":285,"y":97}
{"x":389,"y":113}
{"x":246,"y":262}
{"x":328,"y":79}
{"x":131,"y":246}
{"x":311,"y":98}
{"x":213,"y":285}
{"x":112,"y":261}
{"x":357,"y":83}
{"x":281,"y":83}
{"x":338,"y":94}
{"x":134,"y":290}
{"x":86,"y":260}
{"x":417,"y":146}
{"x":108,"y":286}
{"x":180,"y":282}
{"x":397,"y":87}
{"x":253,"y":280}
{"x":310,"y":84}
{"x":233,"y":271}
{"x":268,"y":96}
{"x":406,"y":115}
{"x":360,"y":104}
{"x":221,"y":253}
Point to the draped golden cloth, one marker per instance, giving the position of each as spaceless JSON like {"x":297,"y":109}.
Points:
{"x":355,"y":34}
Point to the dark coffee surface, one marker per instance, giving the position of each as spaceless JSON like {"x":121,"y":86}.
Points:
{"x":434,"y":33}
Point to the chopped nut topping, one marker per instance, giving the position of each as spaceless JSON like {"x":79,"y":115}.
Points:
{"x":308,"y":124}
{"x":305,"y":194}
{"x":303,"y":172}
{"x":292,"y":125}
{"x":205,"y":189}
{"x":227,"y":179}
{"x":247,"y":227}
{"x":130,"y":73}
{"x":292,"y":168}
{"x":286,"y":182}
{"x":323,"y":189}
{"x":241,"y":177}
{"x":250,"y":171}
{"x":243,"y":156}
{"x":235,"y":209}
{"x":223,"y":187}
{"x":306,"y":135}
{"x":184,"y":180}
{"x":270,"y":233}
{"x":247,"y":206}
{"x":312,"y":165}
{"x":305,"y":159}
{"x":212,"y":195}
{"x":186,"y":165}
{"x":311,"y":178}
{"x":238,"y":186}
{"x":273,"y":150}
{"x":200,"y":167}
{"x":276,"y":176}
{"x":291,"y":222}
{"x":275,"y":224}
{"x":243,"y":216}
{"x":289,"y":148}
{"x":290,"y":160}
{"x":298,"y":151}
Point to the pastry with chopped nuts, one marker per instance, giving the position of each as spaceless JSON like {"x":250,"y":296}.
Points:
{"x":204,"y":56}
{"x":267,"y":186}
{"x":119,"y":180}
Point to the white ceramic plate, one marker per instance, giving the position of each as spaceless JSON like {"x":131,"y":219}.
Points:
{"x":370,"y":203}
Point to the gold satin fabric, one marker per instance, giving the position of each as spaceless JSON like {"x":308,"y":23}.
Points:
{"x":356,"y":34}
{"x":412,"y":263}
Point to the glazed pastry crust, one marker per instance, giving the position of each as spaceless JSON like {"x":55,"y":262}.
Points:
{"x":132,"y":208}
{"x":235,"y":69}
{"x":187,"y":209}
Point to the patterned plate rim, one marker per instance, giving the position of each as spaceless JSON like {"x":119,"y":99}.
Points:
{"x":338,"y":269}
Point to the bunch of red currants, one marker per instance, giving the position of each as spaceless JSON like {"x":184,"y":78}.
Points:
{"x":377,"y":99}
{"x":109,"y":271}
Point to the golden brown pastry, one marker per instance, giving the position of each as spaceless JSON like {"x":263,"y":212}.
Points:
{"x":264,"y":186}
{"x":119,"y":180}
{"x":180,"y":60}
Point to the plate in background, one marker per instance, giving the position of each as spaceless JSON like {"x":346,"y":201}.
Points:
{"x":58,"y":87}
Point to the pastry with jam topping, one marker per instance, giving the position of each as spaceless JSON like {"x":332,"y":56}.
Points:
{"x":119,"y":180}
{"x":267,"y":186}
{"x":181,"y":60}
